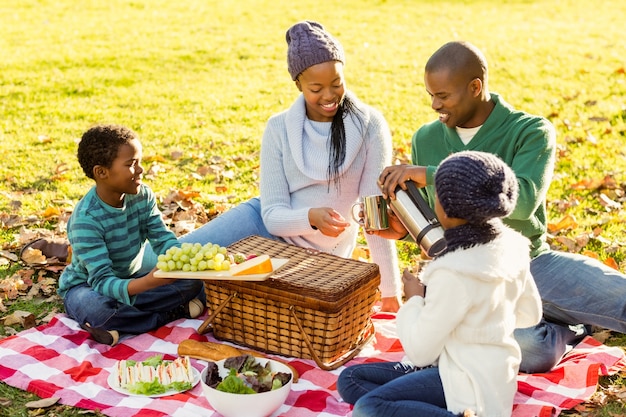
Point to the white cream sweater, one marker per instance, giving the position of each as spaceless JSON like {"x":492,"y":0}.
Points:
{"x":294,"y":179}
{"x":475,"y":298}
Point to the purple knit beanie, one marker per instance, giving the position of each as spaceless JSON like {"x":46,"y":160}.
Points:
{"x":475,"y":186}
{"x":309,"y":44}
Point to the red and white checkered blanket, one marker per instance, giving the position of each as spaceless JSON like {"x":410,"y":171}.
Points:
{"x":60,"y":360}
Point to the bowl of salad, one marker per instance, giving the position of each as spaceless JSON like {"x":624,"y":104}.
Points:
{"x":246,"y":386}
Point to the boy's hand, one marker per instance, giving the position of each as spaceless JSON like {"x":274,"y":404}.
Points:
{"x":147,"y":282}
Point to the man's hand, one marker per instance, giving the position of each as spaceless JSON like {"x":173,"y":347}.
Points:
{"x":328,"y":221}
{"x":396,"y":229}
{"x":397,"y":175}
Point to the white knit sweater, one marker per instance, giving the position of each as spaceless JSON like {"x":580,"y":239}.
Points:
{"x":294,"y":163}
{"x":475,"y":298}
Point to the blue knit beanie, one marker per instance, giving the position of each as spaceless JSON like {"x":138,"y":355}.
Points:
{"x":475,"y":186}
{"x":309,"y":44}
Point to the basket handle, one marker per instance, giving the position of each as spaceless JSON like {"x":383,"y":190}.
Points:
{"x":365,"y":337}
{"x":204,"y":327}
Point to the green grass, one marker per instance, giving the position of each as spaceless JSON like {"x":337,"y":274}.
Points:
{"x":198,"y":80}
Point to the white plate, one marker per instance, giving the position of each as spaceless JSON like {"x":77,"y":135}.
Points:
{"x":276,"y":264}
{"x":112,"y":381}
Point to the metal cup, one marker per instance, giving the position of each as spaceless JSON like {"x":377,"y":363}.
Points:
{"x":374,"y":209}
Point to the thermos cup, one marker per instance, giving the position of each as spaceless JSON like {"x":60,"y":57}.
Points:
{"x":419,"y":219}
{"x":374,"y":208}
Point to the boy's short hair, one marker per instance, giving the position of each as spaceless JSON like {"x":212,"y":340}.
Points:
{"x":100,"y":144}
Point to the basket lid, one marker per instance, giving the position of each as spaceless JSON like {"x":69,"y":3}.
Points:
{"x":309,"y":271}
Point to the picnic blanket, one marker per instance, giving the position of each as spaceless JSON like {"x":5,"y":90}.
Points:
{"x":61,"y":360}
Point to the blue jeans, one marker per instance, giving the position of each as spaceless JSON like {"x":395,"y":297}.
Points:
{"x":239,"y":222}
{"x":152,"y":309}
{"x":574,"y":289}
{"x":393,"y":389}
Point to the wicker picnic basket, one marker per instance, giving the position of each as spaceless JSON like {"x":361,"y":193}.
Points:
{"x":317,"y":306}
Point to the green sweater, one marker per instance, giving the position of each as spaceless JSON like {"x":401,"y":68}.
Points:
{"x":108,"y":242}
{"x":525,"y":142}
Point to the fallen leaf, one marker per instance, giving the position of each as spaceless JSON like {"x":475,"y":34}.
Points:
{"x":33,"y":256}
{"x":51,"y":212}
{"x":588,"y":184}
{"x":605,"y":201}
{"x":5,"y":402}
{"x":566,"y":222}
{"x":26,"y":319}
{"x":43,"y":403}
{"x":62,"y":168}
{"x":602,"y":335}
{"x":611,"y":262}
{"x":590,"y":254}
{"x":361,"y":253}
{"x":8,"y":255}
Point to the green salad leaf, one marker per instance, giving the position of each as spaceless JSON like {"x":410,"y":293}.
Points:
{"x":232,"y":383}
{"x":147,"y":388}
{"x":247,"y":376}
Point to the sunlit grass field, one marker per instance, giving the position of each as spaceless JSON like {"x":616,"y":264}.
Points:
{"x":199,"y":79}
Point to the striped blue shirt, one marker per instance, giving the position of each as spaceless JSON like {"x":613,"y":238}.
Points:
{"x":108,"y":242}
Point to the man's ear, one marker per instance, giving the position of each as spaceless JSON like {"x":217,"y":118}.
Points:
{"x":476,"y":86}
{"x":298,"y":85}
{"x":100,"y":172}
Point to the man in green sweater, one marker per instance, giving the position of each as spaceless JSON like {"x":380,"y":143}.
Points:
{"x":575,"y":289}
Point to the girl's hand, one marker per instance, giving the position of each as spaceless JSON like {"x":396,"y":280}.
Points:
{"x":412,"y":285}
{"x":328,"y":221}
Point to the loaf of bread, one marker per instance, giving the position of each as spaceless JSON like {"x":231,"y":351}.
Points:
{"x":212,"y":351}
{"x":208,"y":351}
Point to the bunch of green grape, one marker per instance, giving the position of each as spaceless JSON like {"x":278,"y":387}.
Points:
{"x":193,"y":257}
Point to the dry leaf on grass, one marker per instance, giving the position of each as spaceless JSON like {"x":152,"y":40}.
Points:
{"x":43,"y":403}
{"x":567,"y":222}
{"x":26,"y":319}
{"x":8,"y":255}
{"x":33,"y":256}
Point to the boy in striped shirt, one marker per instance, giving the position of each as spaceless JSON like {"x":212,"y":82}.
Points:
{"x":107,"y":288}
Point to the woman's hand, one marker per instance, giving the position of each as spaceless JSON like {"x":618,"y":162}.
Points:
{"x":328,"y":221}
{"x":390,"y":304}
{"x":397,"y":175}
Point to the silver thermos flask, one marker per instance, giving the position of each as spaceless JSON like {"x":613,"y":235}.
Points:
{"x":419,"y":219}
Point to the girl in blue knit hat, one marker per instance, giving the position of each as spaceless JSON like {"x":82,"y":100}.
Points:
{"x":318,"y":157}
{"x":457,"y":324}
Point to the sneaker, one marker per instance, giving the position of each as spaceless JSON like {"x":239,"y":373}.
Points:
{"x":106,"y":337}
{"x":194,"y":308}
